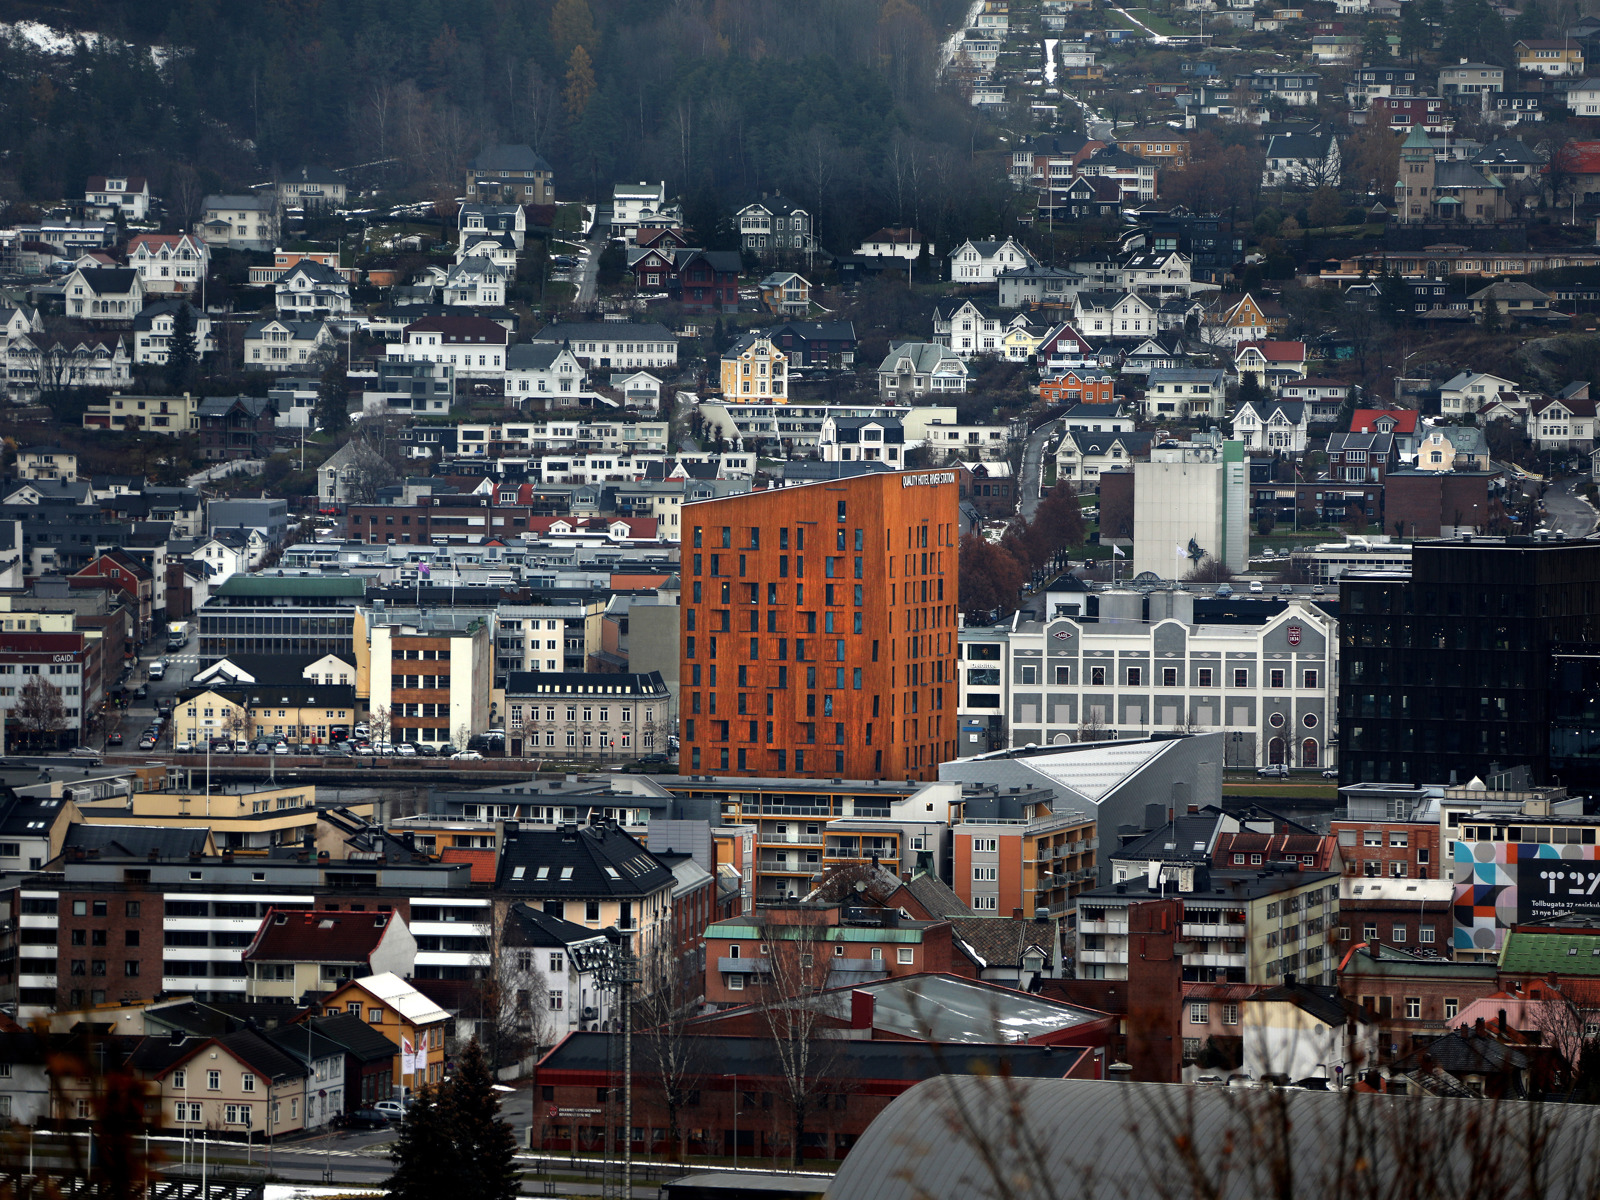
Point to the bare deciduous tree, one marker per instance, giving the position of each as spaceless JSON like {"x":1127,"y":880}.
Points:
{"x":39,"y":710}
{"x":805,"y":1059}
{"x":672,"y":1058}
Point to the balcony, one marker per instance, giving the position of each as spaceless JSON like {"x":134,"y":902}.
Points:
{"x":791,"y":839}
{"x":1214,"y":960}
{"x":1227,"y":931}
{"x":1111,"y":927}
{"x":1104,"y":956}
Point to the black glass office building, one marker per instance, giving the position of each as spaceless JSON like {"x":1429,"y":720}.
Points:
{"x":1450,"y":668}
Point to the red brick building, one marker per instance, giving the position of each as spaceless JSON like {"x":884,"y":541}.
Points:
{"x":1411,"y":997}
{"x":870,"y":1042}
{"x":70,"y":664}
{"x":1437,"y":503}
{"x":1413,"y":915}
{"x":787,"y":948}
{"x":808,"y":611}
{"x":118,"y":572}
{"x":1389,"y":849}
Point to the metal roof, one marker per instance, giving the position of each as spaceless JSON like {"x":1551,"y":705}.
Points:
{"x":966,"y":1135}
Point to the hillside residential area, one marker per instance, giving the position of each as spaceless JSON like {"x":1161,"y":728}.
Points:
{"x":904,"y":600}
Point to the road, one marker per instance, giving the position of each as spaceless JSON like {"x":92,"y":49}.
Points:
{"x":1567,"y":511}
{"x":1033,"y":469}
{"x":223,"y":469}
{"x":589,"y":269}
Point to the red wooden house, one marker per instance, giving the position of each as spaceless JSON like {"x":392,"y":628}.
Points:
{"x":117,"y":571}
{"x":1073,"y":387}
{"x":707,"y":281}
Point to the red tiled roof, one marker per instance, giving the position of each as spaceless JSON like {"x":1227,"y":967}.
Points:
{"x":1405,"y":419}
{"x":1581,"y":158}
{"x":1275,"y":848}
{"x":318,"y":936}
{"x":483,"y":862}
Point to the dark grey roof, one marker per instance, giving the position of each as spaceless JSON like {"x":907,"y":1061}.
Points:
{"x":1323,"y":1003}
{"x":358,"y":1038}
{"x":317,"y":272}
{"x":1182,"y":833}
{"x":756,"y":1058}
{"x":1302,"y":146}
{"x":1467,"y":1052}
{"x":310,"y":174}
{"x":529,"y":926}
{"x":1373,"y":443}
{"x":161,"y":308}
{"x":135,"y":841}
{"x":805,"y":471}
{"x":816,"y":331}
{"x":508,"y":157}
{"x":303,"y":1043}
{"x":578,"y":863}
{"x":937,"y":896}
{"x":604,"y":331}
{"x":532,"y":356}
{"x":109,"y":279}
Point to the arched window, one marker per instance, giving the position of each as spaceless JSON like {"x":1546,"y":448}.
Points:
{"x":1275,"y":752}
{"x":1308,"y":752}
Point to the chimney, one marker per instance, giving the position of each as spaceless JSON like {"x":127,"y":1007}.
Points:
{"x":1478,"y":1028}
{"x":1502,"y":1022}
{"x":1016,"y":914}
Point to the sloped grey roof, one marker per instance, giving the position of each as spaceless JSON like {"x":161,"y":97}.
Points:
{"x":1109,"y":1140}
{"x":924,"y":357}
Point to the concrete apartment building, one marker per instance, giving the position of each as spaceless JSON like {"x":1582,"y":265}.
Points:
{"x":1190,"y":500}
{"x":809,"y":611}
{"x":431,"y":672}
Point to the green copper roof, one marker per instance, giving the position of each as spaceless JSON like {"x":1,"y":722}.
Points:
{"x":1541,"y":953}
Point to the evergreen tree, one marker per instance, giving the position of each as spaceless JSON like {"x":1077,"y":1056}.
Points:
{"x":454,"y":1142}
{"x":1249,"y":389}
{"x":1375,"y":44}
{"x":182,"y":354}
{"x":426,"y":1163}
{"x":333,"y":398}
{"x":481,"y":1137}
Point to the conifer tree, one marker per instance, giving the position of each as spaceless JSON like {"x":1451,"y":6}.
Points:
{"x":454,"y":1141}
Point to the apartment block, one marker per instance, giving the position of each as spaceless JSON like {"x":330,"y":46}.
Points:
{"x":812,"y":610}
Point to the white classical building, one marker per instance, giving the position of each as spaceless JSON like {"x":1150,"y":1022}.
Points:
{"x":169,"y":263}
{"x":1143,"y":665}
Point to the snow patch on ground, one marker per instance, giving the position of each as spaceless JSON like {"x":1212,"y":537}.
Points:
{"x":37,"y":35}
{"x":1050,"y":61}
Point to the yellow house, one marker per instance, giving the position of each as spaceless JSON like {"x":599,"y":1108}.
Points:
{"x":1020,"y":342}
{"x":753,"y":370}
{"x":403,"y":1015}
{"x":245,"y":820}
{"x":295,"y":713}
{"x":47,"y":462}
{"x":172,"y":415}
{"x":1550,"y":56}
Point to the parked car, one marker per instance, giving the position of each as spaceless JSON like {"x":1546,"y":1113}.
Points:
{"x":425,"y":749}
{"x":405,"y":750}
{"x":261,"y":748}
{"x":366,"y":1118}
{"x":1273,"y":771}
{"x":304,"y":748}
{"x":653,"y":760}
{"x":183,"y":748}
{"x":467,"y":756}
{"x":147,"y":743}
{"x":1330,"y":772}
{"x":281,"y":748}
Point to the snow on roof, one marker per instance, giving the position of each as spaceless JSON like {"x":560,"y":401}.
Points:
{"x":403,"y":998}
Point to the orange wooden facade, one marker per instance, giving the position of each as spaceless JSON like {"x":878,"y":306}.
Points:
{"x":818,"y":630}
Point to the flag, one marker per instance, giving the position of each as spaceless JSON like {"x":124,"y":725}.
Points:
{"x":408,"y":1060}
{"x":1116,"y":552}
{"x":423,"y":570}
{"x":1182,"y":553}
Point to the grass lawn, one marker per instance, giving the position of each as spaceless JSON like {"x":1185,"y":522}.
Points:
{"x":1159,"y":23}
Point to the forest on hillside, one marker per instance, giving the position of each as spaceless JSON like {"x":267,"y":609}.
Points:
{"x":834,"y":102}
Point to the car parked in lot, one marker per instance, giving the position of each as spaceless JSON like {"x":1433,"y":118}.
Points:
{"x":467,"y":756}
{"x":147,"y":743}
{"x":405,"y":750}
{"x":183,"y":748}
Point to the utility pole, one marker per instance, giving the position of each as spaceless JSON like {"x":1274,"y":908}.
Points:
{"x":621,"y":974}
